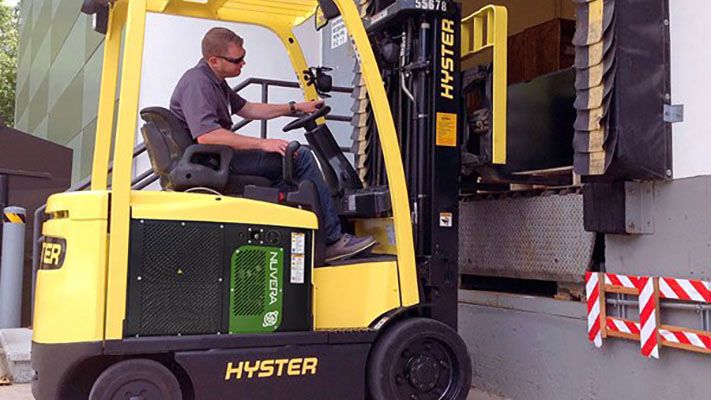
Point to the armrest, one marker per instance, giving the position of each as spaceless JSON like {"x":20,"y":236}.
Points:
{"x":205,"y":165}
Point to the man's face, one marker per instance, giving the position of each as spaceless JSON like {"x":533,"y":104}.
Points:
{"x":229,"y":65}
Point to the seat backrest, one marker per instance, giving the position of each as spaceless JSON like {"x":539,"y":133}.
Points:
{"x":166,"y":139}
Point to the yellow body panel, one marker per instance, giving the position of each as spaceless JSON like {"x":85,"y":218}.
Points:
{"x":177,"y":206}
{"x":353,"y":296}
{"x":292,"y":12}
{"x":391,"y":152}
{"x":90,"y":205}
{"x":69,"y":302}
{"x":382,"y":229}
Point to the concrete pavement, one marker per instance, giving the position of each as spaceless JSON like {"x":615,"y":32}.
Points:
{"x":22,"y":392}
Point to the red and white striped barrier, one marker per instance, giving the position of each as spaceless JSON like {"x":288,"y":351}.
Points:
{"x":685,"y":289}
{"x":622,"y":326}
{"x":648,"y":317}
{"x":592,"y":288}
{"x":649,"y":331}
{"x":681,"y":338}
{"x":624,"y":281}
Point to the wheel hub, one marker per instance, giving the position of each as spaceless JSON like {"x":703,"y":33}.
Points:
{"x":137,"y":390}
{"x":424,"y":372}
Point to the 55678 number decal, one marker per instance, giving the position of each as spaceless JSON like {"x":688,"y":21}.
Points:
{"x":436,"y":5}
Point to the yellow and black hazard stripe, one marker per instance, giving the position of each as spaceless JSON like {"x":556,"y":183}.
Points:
{"x":13,"y":218}
{"x":594,"y":42}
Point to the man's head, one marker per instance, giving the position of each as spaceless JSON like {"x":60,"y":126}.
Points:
{"x":224,"y":52}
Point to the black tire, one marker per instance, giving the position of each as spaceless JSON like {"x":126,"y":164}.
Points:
{"x":419,"y":359}
{"x":137,"y":379}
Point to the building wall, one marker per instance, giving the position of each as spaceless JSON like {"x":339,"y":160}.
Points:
{"x":690,"y":87}
{"x":58,"y":77}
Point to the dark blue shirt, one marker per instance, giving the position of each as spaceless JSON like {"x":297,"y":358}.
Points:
{"x":203,"y":101}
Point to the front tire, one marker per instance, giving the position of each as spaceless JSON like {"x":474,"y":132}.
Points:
{"x":137,"y":379}
{"x":419,"y":359}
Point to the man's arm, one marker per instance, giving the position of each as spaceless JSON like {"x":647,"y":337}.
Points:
{"x":268,"y":111}
{"x":240,"y":142}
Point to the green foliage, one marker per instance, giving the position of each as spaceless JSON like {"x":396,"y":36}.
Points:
{"x":9,"y":34}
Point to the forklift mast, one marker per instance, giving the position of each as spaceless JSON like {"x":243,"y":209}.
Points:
{"x":417,"y":47}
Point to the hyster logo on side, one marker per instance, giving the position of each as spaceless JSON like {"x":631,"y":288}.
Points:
{"x":447,"y":62}
{"x":53,"y":251}
{"x":270,"y":368}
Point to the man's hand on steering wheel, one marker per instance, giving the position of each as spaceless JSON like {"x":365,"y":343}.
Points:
{"x":307,"y":121}
{"x":309,"y":106}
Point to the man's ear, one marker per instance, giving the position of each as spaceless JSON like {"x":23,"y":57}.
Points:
{"x":212,"y":61}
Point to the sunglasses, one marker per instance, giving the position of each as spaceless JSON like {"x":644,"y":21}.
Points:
{"x":236,"y":61}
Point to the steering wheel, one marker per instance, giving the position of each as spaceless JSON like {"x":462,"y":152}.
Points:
{"x":308,"y":121}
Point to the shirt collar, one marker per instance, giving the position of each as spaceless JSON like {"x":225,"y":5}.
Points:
{"x":205,"y":68}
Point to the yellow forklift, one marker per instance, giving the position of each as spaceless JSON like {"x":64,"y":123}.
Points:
{"x":220,"y":293}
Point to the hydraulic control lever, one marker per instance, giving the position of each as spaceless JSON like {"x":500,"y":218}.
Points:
{"x":289,"y":163}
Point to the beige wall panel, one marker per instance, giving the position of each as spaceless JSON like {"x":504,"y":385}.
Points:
{"x":25,"y":28}
{"x":64,"y":120}
{"x":21,"y":123}
{"x":68,"y":63}
{"x":38,"y":107}
{"x":39,"y":66}
{"x":41,"y":130}
{"x":63,"y":20}
{"x":92,"y":85}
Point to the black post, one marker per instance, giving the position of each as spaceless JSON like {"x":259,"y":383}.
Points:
{"x":4,"y":190}
{"x":421,"y":136}
{"x":4,"y":196}
{"x":443,"y":168}
{"x":265,"y":99}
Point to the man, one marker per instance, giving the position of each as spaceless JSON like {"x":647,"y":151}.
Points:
{"x":204,"y":102}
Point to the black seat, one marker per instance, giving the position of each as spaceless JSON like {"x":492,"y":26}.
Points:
{"x":181,"y":164}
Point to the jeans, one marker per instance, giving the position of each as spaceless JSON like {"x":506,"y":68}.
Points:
{"x":270,"y":166}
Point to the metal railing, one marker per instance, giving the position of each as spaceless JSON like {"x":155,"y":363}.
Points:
{"x":265,"y":84}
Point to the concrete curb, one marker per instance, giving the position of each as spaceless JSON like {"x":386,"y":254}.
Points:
{"x":15,"y":355}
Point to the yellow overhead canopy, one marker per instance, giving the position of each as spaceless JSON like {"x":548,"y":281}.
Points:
{"x":291,"y":12}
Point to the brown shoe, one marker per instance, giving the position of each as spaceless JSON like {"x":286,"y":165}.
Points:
{"x":348,"y":246}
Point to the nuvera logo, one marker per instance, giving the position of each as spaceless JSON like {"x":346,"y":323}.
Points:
{"x":271,"y":368}
{"x":273,"y":277}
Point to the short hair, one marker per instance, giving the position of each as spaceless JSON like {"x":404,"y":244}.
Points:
{"x":217,"y":40}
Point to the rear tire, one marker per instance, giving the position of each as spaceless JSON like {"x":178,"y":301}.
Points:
{"x":138,"y":379}
{"x":419,"y":359}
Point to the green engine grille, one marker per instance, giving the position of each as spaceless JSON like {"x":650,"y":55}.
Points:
{"x":249,"y":282}
{"x":256,"y":289}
